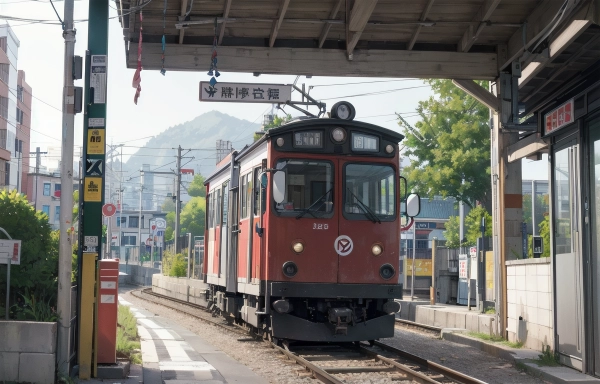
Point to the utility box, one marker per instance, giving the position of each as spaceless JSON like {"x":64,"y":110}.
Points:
{"x":108,"y":303}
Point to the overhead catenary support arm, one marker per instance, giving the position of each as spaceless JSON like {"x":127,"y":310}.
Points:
{"x":359,"y":16}
{"x":423,"y":17}
{"x":277,"y":23}
{"x":478,"y":92}
{"x":483,"y":15}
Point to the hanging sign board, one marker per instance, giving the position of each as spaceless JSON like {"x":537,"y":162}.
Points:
{"x":10,"y":250}
{"x":560,"y":117}
{"x":245,"y":93}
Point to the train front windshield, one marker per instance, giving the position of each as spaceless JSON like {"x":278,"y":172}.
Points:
{"x":369,"y":192}
{"x":309,"y":188}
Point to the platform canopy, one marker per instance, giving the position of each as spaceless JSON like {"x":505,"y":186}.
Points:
{"x":462,"y":39}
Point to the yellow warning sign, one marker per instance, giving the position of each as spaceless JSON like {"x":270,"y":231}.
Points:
{"x":93,"y":189}
{"x":95,"y":141}
{"x":422,"y":267}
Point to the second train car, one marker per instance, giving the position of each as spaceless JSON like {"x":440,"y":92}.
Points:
{"x":303,"y":229}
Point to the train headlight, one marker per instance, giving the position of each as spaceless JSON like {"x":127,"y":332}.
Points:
{"x":338,"y":135}
{"x":280,"y":141}
{"x":387,"y":271}
{"x":377,"y":249}
{"x":298,"y":247}
{"x":389,"y":148}
{"x":290,"y":269}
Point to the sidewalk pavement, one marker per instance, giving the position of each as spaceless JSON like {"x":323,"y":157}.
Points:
{"x":172,"y":354}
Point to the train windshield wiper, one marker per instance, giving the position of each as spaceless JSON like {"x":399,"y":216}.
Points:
{"x":321,"y":200}
{"x":368,"y":212}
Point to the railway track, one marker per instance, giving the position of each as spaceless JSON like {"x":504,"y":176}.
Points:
{"x":337,"y":363}
{"x":418,"y":326}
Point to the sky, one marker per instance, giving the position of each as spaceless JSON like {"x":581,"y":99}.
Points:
{"x":173,"y":99}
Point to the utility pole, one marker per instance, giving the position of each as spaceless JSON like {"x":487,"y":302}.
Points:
{"x":65,"y":250}
{"x":140,"y":242}
{"x":178,"y":200}
{"x":37,"y":171}
{"x":94,"y":127}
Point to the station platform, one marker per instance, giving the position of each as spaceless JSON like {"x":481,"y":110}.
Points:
{"x":456,"y":322}
{"x":173,"y":355}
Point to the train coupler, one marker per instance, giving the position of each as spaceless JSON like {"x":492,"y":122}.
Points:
{"x":341,"y":318}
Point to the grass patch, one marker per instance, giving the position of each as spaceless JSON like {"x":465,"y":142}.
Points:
{"x":548,"y":358}
{"x":128,"y":344}
{"x":490,"y":311}
{"x":495,"y":339}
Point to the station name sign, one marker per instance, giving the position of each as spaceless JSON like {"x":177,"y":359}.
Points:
{"x":245,"y":93}
{"x":560,"y":117}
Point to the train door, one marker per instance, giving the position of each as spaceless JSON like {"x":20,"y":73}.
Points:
{"x":368,"y":242}
{"x":244,"y":231}
{"x":224,"y":229}
{"x":256,"y":240}
{"x":567,"y":252}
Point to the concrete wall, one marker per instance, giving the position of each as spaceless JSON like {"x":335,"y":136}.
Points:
{"x":191,"y":290}
{"x":138,"y":275}
{"x":455,"y":317}
{"x":27,"y":352}
{"x":529,"y":296}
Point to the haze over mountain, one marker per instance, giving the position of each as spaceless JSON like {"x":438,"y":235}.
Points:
{"x":200,"y":135}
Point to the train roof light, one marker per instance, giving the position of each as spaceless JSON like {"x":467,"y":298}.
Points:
{"x":338,"y":135}
{"x":343,"y":110}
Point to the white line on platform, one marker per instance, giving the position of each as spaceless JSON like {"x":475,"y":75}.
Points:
{"x":176,"y":351}
{"x":185,"y":366}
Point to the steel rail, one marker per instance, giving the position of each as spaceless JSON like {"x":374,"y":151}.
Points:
{"x":448,"y":372}
{"x":317,"y":372}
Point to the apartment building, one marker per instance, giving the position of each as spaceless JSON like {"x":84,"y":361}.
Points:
{"x":15,"y":115}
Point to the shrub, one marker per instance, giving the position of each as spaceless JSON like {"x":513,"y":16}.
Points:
{"x":174,"y":265}
{"x":36,"y":276}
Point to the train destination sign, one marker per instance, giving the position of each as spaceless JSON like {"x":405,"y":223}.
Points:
{"x":245,"y":92}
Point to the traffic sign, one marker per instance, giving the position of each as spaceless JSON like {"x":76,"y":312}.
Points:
{"x":109,"y":209}
{"x":473,"y":252}
{"x":10,"y":250}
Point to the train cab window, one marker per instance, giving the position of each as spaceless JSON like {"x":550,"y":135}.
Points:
{"x":308,"y":188}
{"x":369,"y":192}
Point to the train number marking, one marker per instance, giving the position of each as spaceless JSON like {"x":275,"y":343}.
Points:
{"x":320,"y":226}
{"x":343,"y":245}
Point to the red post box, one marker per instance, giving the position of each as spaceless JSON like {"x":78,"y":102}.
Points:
{"x":108,"y":303}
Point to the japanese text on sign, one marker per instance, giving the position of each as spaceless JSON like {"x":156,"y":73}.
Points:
{"x":560,"y":117}
{"x":245,"y":93}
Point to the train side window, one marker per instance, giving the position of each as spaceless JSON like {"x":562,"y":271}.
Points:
{"x":225,"y":201}
{"x":243,"y":197}
{"x":218,"y":208}
{"x":209,"y":215}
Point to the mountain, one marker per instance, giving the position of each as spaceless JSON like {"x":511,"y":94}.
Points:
{"x":200,"y":135}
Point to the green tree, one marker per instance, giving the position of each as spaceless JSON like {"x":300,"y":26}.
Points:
{"x":192,"y":216}
{"x":472,"y":228}
{"x":170,"y":225}
{"x":196,"y":187}
{"x":450,"y":143}
{"x":452,"y":232}
{"x":36,"y":276}
{"x":277,"y":121}
{"x":473,"y":225}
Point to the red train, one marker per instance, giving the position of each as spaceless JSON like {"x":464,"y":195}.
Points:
{"x":303,"y":230}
